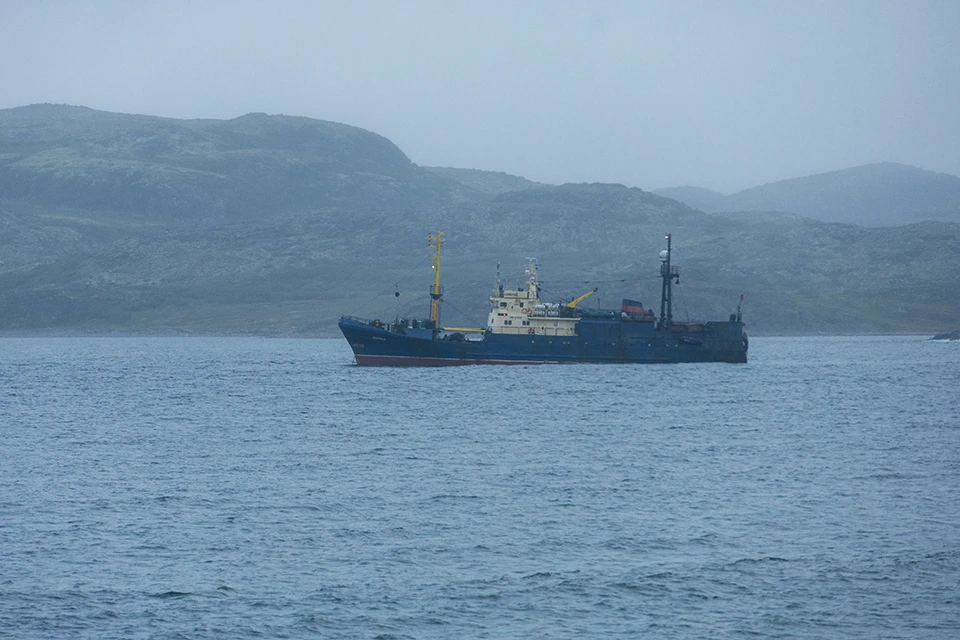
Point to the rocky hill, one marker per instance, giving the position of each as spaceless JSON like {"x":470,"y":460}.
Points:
{"x":874,"y":195}
{"x":277,"y":225}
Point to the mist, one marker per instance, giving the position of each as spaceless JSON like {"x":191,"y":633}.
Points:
{"x":719,"y":95}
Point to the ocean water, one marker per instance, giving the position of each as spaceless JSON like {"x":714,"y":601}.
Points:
{"x":247,"y":488}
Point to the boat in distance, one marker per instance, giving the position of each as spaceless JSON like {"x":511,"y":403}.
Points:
{"x":522,"y":329}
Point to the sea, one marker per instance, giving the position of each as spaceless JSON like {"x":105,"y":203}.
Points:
{"x":270,"y":488}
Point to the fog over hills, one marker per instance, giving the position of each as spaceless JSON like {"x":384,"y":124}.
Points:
{"x":277,"y":225}
{"x":873,"y":195}
{"x":696,"y":197}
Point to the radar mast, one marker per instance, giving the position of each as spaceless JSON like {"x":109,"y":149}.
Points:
{"x":668,"y":273}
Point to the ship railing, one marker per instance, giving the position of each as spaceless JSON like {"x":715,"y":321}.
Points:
{"x":367,"y":321}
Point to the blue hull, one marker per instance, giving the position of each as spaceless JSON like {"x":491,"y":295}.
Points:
{"x":598,"y":340}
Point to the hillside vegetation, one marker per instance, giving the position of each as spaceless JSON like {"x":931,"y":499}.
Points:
{"x":277,"y":225}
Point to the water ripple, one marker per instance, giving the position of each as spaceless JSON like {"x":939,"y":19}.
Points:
{"x":230,"y":488}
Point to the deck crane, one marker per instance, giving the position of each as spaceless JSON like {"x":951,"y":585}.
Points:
{"x":573,"y":303}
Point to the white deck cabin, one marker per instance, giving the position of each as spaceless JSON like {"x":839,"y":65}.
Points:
{"x":519,"y":311}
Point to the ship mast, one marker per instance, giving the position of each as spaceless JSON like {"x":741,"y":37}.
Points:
{"x":668,"y":274}
{"x":435,"y":291}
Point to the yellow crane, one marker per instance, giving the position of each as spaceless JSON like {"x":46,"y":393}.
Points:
{"x":436,"y":292}
{"x":573,"y":303}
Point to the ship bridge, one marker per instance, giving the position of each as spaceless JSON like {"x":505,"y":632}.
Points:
{"x":520,"y":311}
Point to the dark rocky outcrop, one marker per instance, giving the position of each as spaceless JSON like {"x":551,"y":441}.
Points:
{"x":952,"y":335}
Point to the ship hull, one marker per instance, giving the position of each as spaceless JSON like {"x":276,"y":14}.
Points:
{"x":598,"y":341}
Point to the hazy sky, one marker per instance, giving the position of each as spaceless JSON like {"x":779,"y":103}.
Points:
{"x":724,"y":95}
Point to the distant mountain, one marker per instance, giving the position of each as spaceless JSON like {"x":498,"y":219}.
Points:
{"x":696,"y":197}
{"x":59,"y":155}
{"x":873,"y":195}
{"x":277,"y":225}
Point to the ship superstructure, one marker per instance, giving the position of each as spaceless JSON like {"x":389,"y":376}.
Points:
{"x":521,"y":312}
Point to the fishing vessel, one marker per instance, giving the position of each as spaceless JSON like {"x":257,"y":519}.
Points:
{"x":523,"y":329}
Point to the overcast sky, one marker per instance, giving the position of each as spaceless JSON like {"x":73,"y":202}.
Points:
{"x":724,"y":95}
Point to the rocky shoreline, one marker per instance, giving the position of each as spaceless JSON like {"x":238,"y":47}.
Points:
{"x":952,"y":335}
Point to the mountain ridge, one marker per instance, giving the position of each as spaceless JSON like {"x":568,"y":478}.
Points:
{"x":276,"y":225}
{"x":876,"y":194}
